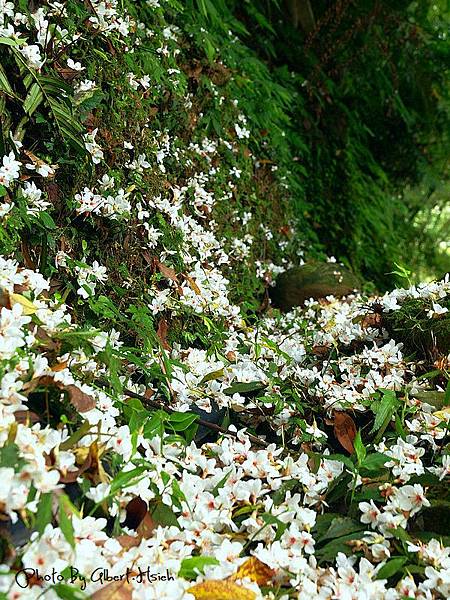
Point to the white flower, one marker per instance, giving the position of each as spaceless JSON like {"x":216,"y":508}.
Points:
{"x":93,"y":147}
{"x":411,"y":498}
{"x":370,"y":513}
{"x":5,"y":208}
{"x":32,"y":55}
{"x":9,"y":169}
{"x":437,"y":310}
{"x":76,"y":66}
{"x":99,"y":493}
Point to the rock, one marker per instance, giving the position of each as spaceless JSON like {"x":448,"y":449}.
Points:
{"x":315,"y":280}
{"x":216,"y":416}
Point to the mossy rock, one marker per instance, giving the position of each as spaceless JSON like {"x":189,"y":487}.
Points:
{"x":315,"y":280}
{"x":421,"y":335}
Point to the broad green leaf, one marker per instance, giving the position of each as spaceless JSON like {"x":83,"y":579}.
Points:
{"x":374,"y":462}
{"x":162,"y":514}
{"x":329,"y":551}
{"x":272,"y":520}
{"x":65,"y":522}
{"x":399,"y":533}
{"x":47,"y":220}
{"x":341,"y":526}
{"x":5,"y":85}
{"x":242,"y":388}
{"x":392,"y":567}
{"x":10,"y":456}
{"x":44,"y":512}
{"x":190,"y":567}
{"x":447,"y":394}
{"x":385,"y":411}
{"x":12,"y":42}
{"x":76,"y":436}
{"x":212,"y":375}
{"x":124,"y":479}
{"x":33,"y":99}
{"x":181,"y":421}
{"x":360,"y":449}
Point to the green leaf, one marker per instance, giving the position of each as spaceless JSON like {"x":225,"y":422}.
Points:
{"x":68,"y":592}
{"x":388,"y":405}
{"x":124,"y":479}
{"x":177,"y":492}
{"x":447,"y":394}
{"x":12,"y":42}
{"x":5,"y":85}
{"x":181,"y":421}
{"x":374,"y":461}
{"x":212,"y":375}
{"x":221,"y":483}
{"x":76,"y":436}
{"x":360,"y":449}
{"x":279,"y":496}
{"x":33,"y":99}
{"x":392,"y":567}
{"x":399,"y":533}
{"x":47,"y":220}
{"x":44,"y":512}
{"x":65,"y":522}
{"x":155,"y":425}
{"x":242,"y":388}
{"x":190,"y":567}
{"x":272,"y":520}
{"x":329,"y":551}
{"x":341,"y":526}
{"x":162,"y":514}
{"x":10,"y":457}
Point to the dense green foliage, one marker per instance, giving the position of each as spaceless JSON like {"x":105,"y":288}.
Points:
{"x":161,"y":162}
{"x":368,"y":116}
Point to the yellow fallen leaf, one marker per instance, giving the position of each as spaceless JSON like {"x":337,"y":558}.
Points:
{"x":193,"y":285}
{"x":255,"y":570}
{"x":443,"y":414}
{"x":221,"y":590}
{"x":28,"y":308}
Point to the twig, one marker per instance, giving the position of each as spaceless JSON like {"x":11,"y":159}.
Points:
{"x":160,"y":405}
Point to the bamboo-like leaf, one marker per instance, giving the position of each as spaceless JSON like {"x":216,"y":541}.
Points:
{"x":33,"y":99}
{"x":5,"y":85}
{"x":11,"y":42}
{"x":55,"y":92}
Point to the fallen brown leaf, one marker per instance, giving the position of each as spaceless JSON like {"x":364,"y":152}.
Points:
{"x":147,"y":527}
{"x":117,"y":590}
{"x":166,"y":271}
{"x":26,"y":416}
{"x":79,"y":399}
{"x":59,"y":366}
{"x":72,"y":476}
{"x":162,"y":334}
{"x":136,"y":509}
{"x":344,"y":430}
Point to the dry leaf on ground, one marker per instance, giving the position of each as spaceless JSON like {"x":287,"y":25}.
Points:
{"x":221,"y":590}
{"x":344,"y":430}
